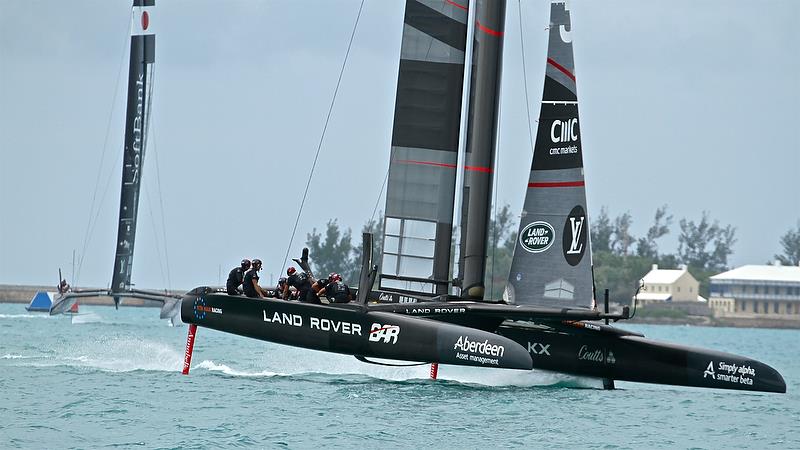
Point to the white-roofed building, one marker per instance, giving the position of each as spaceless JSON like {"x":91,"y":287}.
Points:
{"x":757,"y":292}
{"x":669,"y":285}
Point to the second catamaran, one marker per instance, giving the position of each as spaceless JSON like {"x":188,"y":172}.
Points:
{"x":140,"y":76}
{"x":548,"y":318}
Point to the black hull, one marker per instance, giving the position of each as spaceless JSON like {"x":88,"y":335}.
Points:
{"x":459,"y":335}
{"x":353,"y":330}
{"x":633,"y":358}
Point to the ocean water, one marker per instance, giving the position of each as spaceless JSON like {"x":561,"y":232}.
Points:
{"x":109,"y":378}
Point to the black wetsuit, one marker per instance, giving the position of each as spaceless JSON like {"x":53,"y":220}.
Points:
{"x":247,"y":283}
{"x":234,"y":280}
{"x":338,"y":292}
{"x":303,"y":285}
{"x":321,"y":284}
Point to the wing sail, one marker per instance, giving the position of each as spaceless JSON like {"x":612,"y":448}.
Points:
{"x":552,"y":258}
{"x":424,"y":153}
{"x":142,"y":57}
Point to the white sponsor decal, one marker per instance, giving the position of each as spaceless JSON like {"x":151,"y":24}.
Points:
{"x":384,"y":297}
{"x":436,"y":311}
{"x":591,"y":326}
{"x":538,"y":349}
{"x":386,"y":333}
{"x":537,"y":236}
{"x":730,"y":373}
{"x":568,"y":150}
{"x":576,"y":224}
{"x":566,"y":35}
{"x":710,"y":370}
{"x":295,"y":320}
{"x":564,"y":131}
{"x":481,"y":348}
{"x":337,"y":326}
{"x":407,"y":299}
{"x":137,"y":129}
{"x":314,"y":323}
{"x":596,"y":355}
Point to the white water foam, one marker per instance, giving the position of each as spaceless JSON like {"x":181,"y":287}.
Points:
{"x":121,"y":354}
{"x":10,"y":356}
{"x":90,"y":317}
{"x":129,"y":354}
{"x":281,"y":359}
{"x":211,"y":366}
{"x":27,"y":316}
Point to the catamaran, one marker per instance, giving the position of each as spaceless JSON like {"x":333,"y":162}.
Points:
{"x":142,"y":58}
{"x":548,"y":318}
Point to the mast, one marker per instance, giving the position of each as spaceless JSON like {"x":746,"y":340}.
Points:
{"x":458,"y":206}
{"x":142,"y":56}
{"x":481,"y":141}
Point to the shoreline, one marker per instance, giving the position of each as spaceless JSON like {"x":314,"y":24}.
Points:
{"x":22,"y":294}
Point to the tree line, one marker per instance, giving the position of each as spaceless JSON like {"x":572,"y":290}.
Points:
{"x":620,"y":258}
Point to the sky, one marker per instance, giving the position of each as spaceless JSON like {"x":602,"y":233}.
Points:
{"x":684,"y":103}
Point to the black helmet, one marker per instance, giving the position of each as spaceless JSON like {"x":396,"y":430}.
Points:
{"x":281,"y":281}
{"x":256,"y":262}
{"x":245,"y":264}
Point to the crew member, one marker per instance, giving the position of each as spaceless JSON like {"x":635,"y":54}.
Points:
{"x":236,"y":277}
{"x":325,"y":284}
{"x":278,"y":292}
{"x":250,"y":281}
{"x":318,"y":288}
{"x":337,"y":291}
{"x":301,"y":282}
{"x":63,"y":287}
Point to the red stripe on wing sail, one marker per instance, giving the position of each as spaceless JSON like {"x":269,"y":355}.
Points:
{"x":449,"y":166}
{"x":561,"y":68}
{"x":457,"y":5}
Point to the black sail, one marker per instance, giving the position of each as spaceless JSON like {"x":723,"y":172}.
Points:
{"x":552,"y":258}
{"x":422,"y":172}
{"x":142,"y":55}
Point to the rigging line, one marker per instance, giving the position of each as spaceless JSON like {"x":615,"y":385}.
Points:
{"x":380,"y":194}
{"x":87,"y":234}
{"x":148,"y":130}
{"x":102,"y":199}
{"x":525,"y":76}
{"x":322,"y":137}
{"x":155,"y":229}
{"x":163,"y":215}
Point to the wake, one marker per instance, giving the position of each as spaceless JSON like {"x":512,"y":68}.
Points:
{"x":90,"y":317}
{"x":131,"y":353}
{"x":278,"y":361}
{"x":121,"y":354}
{"x":43,"y":315}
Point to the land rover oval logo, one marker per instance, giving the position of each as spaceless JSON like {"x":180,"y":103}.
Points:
{"x":537,"y":237}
